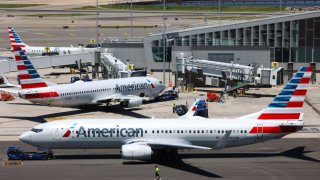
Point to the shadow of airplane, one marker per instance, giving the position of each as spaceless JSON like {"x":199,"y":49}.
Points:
{"x":255,"y":95}
{"x":117,"y":109}
{"x":295,"y":153}
{"x":94,"y":156}
{"x":179,"y":164}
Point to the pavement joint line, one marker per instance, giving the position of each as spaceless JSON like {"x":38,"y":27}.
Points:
{"x":311,"y":105}
{"x":7,"y":121}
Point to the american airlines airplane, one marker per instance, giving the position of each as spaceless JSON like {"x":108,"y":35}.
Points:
{"x":16,"y":41}
{"x":130,"y":92}
{"x":140,"y":139}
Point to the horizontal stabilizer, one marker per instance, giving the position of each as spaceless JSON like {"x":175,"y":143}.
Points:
{"x":7,"y":83}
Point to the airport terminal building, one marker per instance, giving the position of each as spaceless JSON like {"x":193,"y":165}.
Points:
{"x":292,"y":40}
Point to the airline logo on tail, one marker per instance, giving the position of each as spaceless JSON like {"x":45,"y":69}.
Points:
{"x":200,"y":104}
{"x":27,"y":74}
{"x":15,"y":40}
{"x":287,"y":105}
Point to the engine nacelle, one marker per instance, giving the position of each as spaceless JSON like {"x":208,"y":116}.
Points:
{"x":133,"y":102}
{"x":136,"y":152}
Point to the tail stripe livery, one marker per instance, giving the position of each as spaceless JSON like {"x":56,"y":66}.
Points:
{"x":287,"y":105}
{"x":27,"y":74}
{"x":15,"y":39}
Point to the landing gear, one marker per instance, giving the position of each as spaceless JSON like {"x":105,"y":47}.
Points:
{"x":83,"y":106}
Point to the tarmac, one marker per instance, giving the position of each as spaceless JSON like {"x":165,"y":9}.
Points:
{"x":276,"y":159}
{"x":295,"y":156}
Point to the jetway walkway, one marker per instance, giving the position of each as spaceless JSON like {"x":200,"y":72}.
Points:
{"x":115,"y":66}
{"x":219,"y":73}
{"x":50,"y":61}
{"x":222,"y":70}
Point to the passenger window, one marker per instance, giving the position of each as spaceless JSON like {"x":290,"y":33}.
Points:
{"x":241,"y":131}
{"x":177,"y":131}
{"x":222,"y":131}
{"x":166,"y":131}
{"x":161,"y":131}
{"x":210,"y":131}
{"x":202,"y":131}
{"x":218,"y":131}
{"x":158,"y":131}
{"x":170,"y":131}
{"x":152,"y":131}
{"x":198,"y":131}
{"x":245,"y":131}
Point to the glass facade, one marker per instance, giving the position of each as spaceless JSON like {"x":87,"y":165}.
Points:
{"x":289,"y":41}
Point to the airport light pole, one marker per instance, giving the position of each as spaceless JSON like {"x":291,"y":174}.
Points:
{"x":97,"y":20}
{"x":219,"y":11}
{"x":131,"y":32}
{"x":280,"y":5}
{"x":164,"y":40}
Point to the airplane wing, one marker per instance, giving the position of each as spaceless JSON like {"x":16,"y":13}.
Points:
{"x":11,"y":90}
{"x":180,"y":143}
{"x":117,"y":98}
{"x":168,"y":143}
{"x":129,"y":100}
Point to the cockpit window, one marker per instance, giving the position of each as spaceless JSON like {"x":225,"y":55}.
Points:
{"x":36,"y":130}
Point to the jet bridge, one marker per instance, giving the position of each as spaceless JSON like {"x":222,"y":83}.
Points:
{"x":50,"y":61}
{"x":115,"y":68}
{"x":217,"y":73}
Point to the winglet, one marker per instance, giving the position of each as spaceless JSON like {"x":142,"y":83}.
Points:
{"x":223,"y":141}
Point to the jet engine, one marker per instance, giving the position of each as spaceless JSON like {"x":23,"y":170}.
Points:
{"x":136,"y":152}
{"x":133,"y":102}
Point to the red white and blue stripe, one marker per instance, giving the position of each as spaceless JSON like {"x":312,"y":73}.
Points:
{"x":287,"y":105}
{"x":15,"y":40}
{"x":27,"y":74}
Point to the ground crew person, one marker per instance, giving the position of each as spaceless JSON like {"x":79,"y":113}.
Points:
{"x":174,"y":108}
{"x":157,"y":175}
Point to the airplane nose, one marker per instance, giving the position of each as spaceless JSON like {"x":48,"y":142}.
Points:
{"x":25,"y":138}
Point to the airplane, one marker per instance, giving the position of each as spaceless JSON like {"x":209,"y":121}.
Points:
{"x":143,"y":139}
{"x":6,"y":82}
{"x":130,"y":92}
{"x":16,"y":41}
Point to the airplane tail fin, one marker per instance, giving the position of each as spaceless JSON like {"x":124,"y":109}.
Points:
{"x":198,"y":105}
{"x":27,"y":74}
{"x":15,"y":39}
{"x":287,"y":105}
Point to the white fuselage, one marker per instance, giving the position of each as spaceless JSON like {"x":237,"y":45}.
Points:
{"x":93,"y":92}
{"x":113,"y":133}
